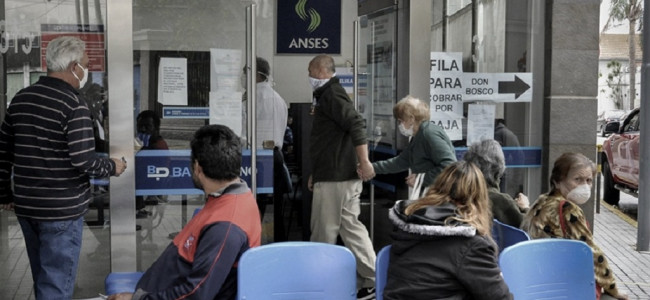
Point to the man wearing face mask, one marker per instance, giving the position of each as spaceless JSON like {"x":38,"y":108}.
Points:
{"x":47,"y":140}
{"x":557,"y":214}
{"x":429,"y":150}
{"x":271,"y":109}
{"x":337,"y":144}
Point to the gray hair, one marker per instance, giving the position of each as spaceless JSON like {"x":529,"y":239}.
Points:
{"x":62,"y":51}
{"x":488,"y":156}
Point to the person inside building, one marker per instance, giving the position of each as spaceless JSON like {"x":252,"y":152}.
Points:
{"x":429,"y":150}
{"x":271,"y":124}
{"x":47,"y":156}
{"x":337,"y":144}
{"x":201,"y":261}
{"x":442,"y":245}
{"x":557,"y":214}
{"x":512,"y":179}
{"x":488,"y":156}
{"x":148,"y":127}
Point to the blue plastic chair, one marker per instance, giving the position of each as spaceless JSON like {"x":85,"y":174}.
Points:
{"x":505,"y":235}
{"x":381,"y":271}
{"x":549,"y":269}
{"x":125,"y":282}
{"x":121,"y":282}
{"x":297,"y":270}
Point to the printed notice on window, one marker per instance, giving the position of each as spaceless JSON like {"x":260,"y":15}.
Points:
{"x":480,"y":123}
{"x":225,"y":109}
{"x":172,"y":81}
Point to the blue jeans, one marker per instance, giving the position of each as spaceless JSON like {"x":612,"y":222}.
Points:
{"x":53,"y":248}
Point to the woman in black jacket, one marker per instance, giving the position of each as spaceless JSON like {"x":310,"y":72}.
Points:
{"x":442,"y":246}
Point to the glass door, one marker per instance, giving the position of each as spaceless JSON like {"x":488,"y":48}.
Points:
{"x":189,"y":58}
{"x":377,"y":93}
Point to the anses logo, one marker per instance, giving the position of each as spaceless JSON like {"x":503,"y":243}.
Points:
{"x":312,"y":14}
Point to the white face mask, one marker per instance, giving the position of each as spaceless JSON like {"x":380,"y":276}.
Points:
{"x":580,"y":194}
{"x":404,"y":131}
{"x":242,"y":80}
{"x":83,"y":80}
{"x":316,"y":83}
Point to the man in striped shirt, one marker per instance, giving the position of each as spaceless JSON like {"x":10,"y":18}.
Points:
{"x":47,"y":138}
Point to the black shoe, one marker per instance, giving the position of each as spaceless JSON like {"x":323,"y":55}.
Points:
{"x":142,"y":214}
{"x":366,"y":293}
{"x":151,"y":201}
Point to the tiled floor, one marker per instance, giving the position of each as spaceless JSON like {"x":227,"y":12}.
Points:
{"x":94,"y":261}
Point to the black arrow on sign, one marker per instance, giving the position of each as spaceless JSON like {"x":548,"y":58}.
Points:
{"x":516,"y":87}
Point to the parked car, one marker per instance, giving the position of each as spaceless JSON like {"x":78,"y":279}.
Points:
{"x":620,"y":158}
{"x":608,"y":116}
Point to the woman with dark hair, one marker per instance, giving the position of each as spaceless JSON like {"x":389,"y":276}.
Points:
{"x":442,"y":246}
{"x":148,"y":125}
{"x":488,"y":156}
{"x":556,"y":214}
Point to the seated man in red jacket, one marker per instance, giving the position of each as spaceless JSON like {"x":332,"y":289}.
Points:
{"x":201,"y":261}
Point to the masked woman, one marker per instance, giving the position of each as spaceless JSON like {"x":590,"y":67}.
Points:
{"x":442,"y":246}
{"x":557,"y":214}
{"x":429,"y":150}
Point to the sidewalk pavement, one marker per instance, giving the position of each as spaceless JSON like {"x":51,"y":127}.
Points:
{"x":616,"y":234}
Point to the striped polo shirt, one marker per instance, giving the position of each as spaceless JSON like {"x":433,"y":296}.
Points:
{"x":47,"y":136}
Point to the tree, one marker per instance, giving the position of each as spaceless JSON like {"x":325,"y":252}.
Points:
{"x":615,"y":82}
{"x":632,"y":11}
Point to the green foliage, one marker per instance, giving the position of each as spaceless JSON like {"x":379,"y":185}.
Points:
{"x":630,"y":10}
{"x":615,"y":82}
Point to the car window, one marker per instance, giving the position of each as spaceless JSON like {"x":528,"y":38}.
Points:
{"x":633,"y":125}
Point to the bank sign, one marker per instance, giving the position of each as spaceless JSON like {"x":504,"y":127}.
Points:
{"x":167,"y":172}
{"x":309,"y":26}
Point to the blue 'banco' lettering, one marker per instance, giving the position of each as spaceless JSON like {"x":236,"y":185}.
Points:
{"x":179,"y":172}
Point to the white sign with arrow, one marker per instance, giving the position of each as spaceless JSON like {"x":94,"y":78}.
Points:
{"x":498,"y":87}
{"x":449,"y":83}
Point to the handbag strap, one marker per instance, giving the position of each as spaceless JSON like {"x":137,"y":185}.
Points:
{"x":417,"y":186}
{"x":562,"y":220}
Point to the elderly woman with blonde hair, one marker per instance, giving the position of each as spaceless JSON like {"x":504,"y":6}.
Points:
{"x":429,"y":150}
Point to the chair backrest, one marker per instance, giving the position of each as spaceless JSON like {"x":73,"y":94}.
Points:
{"x":297,"y":270}
{"x":505,"y":235}
{"x":381,"y":271}
{"x":121,"y":282}
{"x":549,"y":269}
